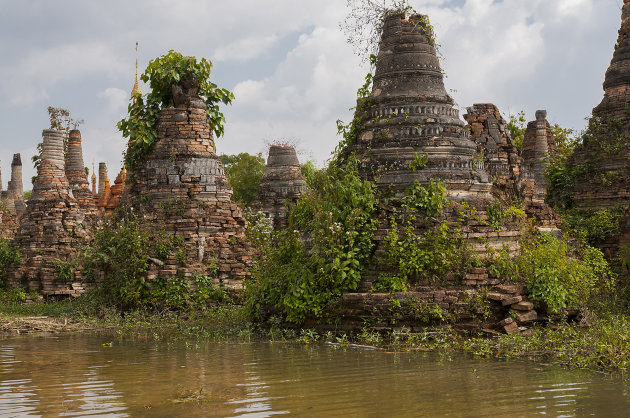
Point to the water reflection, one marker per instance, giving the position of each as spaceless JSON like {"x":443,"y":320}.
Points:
{"x":76,"y":375}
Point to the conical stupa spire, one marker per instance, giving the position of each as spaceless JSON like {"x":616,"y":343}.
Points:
{"x":409,"y":114}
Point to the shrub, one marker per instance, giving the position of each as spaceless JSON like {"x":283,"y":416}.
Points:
{"x":8,"y":255}
{"x":324,"y":251}
{"x":556,"y":275}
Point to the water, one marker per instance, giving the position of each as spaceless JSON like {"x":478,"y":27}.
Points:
{"x":76,"y":375}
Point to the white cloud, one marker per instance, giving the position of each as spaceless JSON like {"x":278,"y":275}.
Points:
{"x":309,"y":91}
{"x":245,"y":49}
{"x":117,"y":99}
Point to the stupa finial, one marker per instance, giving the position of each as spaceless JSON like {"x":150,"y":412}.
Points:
{"x":136,"y":85}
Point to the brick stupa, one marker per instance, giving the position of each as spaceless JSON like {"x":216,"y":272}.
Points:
{"x":52,"y":225}
{"x":410,"y":114}
{"x":182,"y":185}
{"x":604,"y":182}
{"x":282,"y":184}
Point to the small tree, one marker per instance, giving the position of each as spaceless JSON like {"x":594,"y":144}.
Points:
{"x":60,"y":120}
{"x":244,"y":172}
{"x":162,"y":73}
{"x":364,"y":24}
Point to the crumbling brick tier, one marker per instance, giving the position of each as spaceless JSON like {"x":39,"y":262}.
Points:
{"x":182,"y":185}
{"x":282,"y":184}
{"x":51,"y":227}
{"x":515,"y":177}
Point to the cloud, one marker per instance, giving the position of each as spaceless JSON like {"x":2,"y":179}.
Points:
{"x":311,"y":88}
{"x":117,"y":99}
{"x":245,"y":49}
{"x":30,"y":78}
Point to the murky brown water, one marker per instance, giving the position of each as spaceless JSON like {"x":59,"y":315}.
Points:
{"x":75,"y":375}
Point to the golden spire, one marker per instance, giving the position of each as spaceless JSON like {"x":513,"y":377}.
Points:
{"x":93,"y":172}
{"x":136,"y":85}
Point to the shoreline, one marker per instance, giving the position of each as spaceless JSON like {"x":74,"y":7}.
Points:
{"x":601,"y":346}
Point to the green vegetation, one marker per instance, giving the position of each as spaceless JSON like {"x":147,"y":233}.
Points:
{"x":8,"y":255}
{"x":557,"y":275}
{"x":517,"y":125}
{"x":162,"y":74}
{"x":121,"y":254}
{"x":323,"y":252}
{"x":244,"y":172}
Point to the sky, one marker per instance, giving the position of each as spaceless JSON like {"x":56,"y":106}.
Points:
{"x":288,"y":63}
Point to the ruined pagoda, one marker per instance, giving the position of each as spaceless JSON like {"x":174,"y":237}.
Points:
{"x":51,"y":227}
{"x":281,"y":185}
{"x":601,"y":162}
{"x":181,"y":186}
{"x":410,"y":116}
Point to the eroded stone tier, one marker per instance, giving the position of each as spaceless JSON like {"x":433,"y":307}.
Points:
{"x":603,"y":158}
{"x":52,"y":225}
{"x":282,"y":184}
{"x":76,"y":175}
{"x":409,"y":115}
{"x":182,"y":185}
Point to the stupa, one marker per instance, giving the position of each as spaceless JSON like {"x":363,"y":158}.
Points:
{"x":282,"y":184}
{"x":52,"y":225}
{"x":410,"y":116}
{"x":181,"y":185}
{"x":602,"y":179}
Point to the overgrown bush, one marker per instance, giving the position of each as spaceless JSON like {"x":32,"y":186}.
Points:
{"x":323,"y":252}
{"x":595,"y":227}
{"x":121,"y":252}
{"x":556,"y":275}
{"x":244,"y":172}
{"x":8,"y":255}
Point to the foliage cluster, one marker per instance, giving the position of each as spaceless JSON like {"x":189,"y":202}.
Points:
{"x":122,"y":250}
{"x":556,"y":275}
{"x":8,"y":256}
{"x":244,"y":172}
{"x":322,"y":254}
{"x":593,"y":227}
{"x":429,"y":199}
{"x":433,"y":253}
{"x":162,"y":73}
{"x":430,"y":255}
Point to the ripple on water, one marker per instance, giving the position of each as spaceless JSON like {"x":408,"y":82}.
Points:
{"x":78,"y":376}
